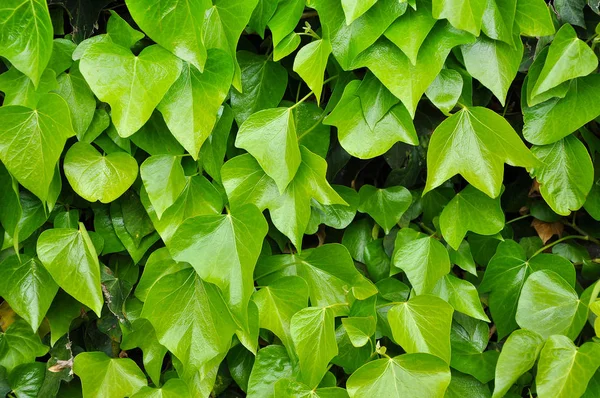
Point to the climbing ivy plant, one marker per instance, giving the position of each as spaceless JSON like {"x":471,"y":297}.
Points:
{"x":299,"y":198}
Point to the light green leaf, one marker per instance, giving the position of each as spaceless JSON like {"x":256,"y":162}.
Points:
{"x":19,"y":89}
{"x":19,"y":345}
{"x":132,"y":85}
{"x":26,"y":380}
{"x":223,"y":250}
{"x":62,"y":312}
{"x":310,"y":64}
{"x":28,"y":288}
{"x":487,"y":141}
{"x":76,"y":92}
{"x":272,"y":131}
{"x":532,"y":76}
{"x":26,"y":36}
{"x":191,"y":105}
{"x":465,"y":15}
{"x":549,"y":305}
{"x":335,"y":216}
{"x":498,"y":20}
{"x":173,"y":388}
{"x":355,"y":8}
{"x":424,"y":260}
{"x":272,"y":364}
{"x":445,"y":91}
{"x":175,"y":25}
{"x":34,"y":137}
{"x":105,"y":377}
{"x":142,"y":335}
{"x":97,"y":177}
{"x":566,"y":174}
{"x":70,"y":257}
{"x":422,"y":324}
{"x":261,"y":15}
{"x":568,"y":58}
{"x":278,"y":302}
{"x":470,"y":210}
{"x":292,"y":388}
{"x":421,"y":375}
{"x":164,"y":181}
{"x":519,"y":354}
{"x":564,"y":369}
{"x":285,"y":19}
{"x":462,"y":295}
{"x":385,"y":205}
{"x":554,"y":119}
{"x":11,"y":210}
{"x":154,"y":137}
{"x":494,"y":63}
{"x":533,"y":18}
{"x":286,"y":46}
{"x":212,"y":153}
{"x":313,"y":333}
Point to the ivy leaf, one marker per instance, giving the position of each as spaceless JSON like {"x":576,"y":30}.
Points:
{"x":99,"y":177}
{"x":174,"y":26}
{"x":76,"y":92}
{"x":313,"y":333}
{"x":278,"y":302}
{"x":212,"y":153}
{"x":272,"y":131}
{"x":386,"y":205}
{"x":310,"y":64}
{"x":546,"y":292}
{"x":488,"y":147}
{"x":335,"y":216}
{"x":422,"y":324}
{"x":566,"y":174}
{"x":28,"y":288}
{"x":173,"y":388}
{"x":11,"y":210}
{"x":424,"y":260}
{"x":261,"y":15}
{"x":532,"y":76}
{"x":564,"y":369}
{"x":272,"y":364}
{"x":292,"y":388}
{"x":285,"y":19}
{"x":554,"y":119}
{"x":421,"y":374}
{"x":470,"y":210}
{"x":102,"y":376}
{"x":28,"y":52}
{"x":568,"y":58}
{"x":19,"y":345}
{"x":132,"y":85}
{"x":190,"y":318}
{"x":498,"y":20}
{"x":223,"y":250}
{"x":191,"y":105}
{"x":519,"y":354}
{"x":19,"y":89}
{"x":462,"y":295}
{"x":494,"y":63}
{"x":533,"y":18}
{"x":63,"y":310}
{"x":27,"y":379}
{"x":142,"y":335}
{"x":34,"y":137}
{"x":464,"y":15}
{"x":445,"y":91}
{"x":355,"y":8}
{"x":164,"y":180}
{"x":70,"y":257}
{"x":370,"y":120}
{"x":571,"y":11}
{"x":505,"y":276}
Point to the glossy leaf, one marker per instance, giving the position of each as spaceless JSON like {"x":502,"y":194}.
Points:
{"x":386,"y":206}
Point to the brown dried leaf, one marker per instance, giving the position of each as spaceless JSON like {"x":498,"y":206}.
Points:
{"x":547,"y":230}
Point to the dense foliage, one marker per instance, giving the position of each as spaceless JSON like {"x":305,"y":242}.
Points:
{"x":290,"y":198}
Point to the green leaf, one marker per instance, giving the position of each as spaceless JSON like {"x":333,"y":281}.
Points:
{"x":487,"y":147}
{"x":505,"y":276}
{"x":355,"y":8}
{"x":261,"y":15}
{"x":154,"y":138}
{"x":76,"y":92}
{"x":519,"y":354}
{"x":292,"y":388}
{"x":313,"y":333}
{"x":272,"y":131}
{"x":190,"y":318}
{"x":272,"y":364}
{"x":532,"y":76}
{"x":213,"y":150}
{"x":176,"y":26}
{"x":498,"y":20}
{"x":568,"y":58}
{"x":26,"y":380}
{"x":99,"y":177}
{"x":422,"y":324}
{"x":566,"y":174}
{"x":278,"y":302}
{"x":143,"y":336}
{"x":533,"y":18}
{"x":19,"y":89}
{"x":424,"y":260}
{"x":370,"y":120}
{"x":26,"y":36}
{"x":405,"y":375}
{"x":70,"y":257}
{"x":548,"y":305}
{"x":173,"y":388}
{"x":62,"y":312}
{"x":494,"y":63}
{"x":19,"y":345}
{"x":462,"y":385}
{"x":102,"y":376}
{"x":164,"y":181}
{"x":461,"y":294}
{"x":386,"y":205}
{"x":11,"y":210}
{"x":132,"y":85}
{"x":564,"y":370}
{"x":191,"y":105}
{"x":470,"y":210}
{"x":464,"y":15}
{"x":336,"y":216}
{"x":554,"y":119}
{"x":28,"y":288}
{"x":310,"y":64}
{"x":285,"y":19}
{"x":34,"y":137}
{"x":223,"y":250}
{"x":571,"y":11}
{"x":445,"y":91}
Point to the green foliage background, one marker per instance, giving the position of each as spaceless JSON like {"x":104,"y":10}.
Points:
{"x":290,"y":198}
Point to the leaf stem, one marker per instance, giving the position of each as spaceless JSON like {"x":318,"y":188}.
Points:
{"x":582,"y":232}
{"x":518,"y":218}
{"x":549,"y":245}
{"x":307,"y":96}
{"x":427,"y":229}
